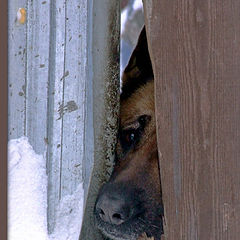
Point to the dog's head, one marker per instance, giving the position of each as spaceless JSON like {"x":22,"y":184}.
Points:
{"x":130,"y":203}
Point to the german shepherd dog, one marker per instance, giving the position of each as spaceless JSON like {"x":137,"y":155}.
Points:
{"x":130,"y":204}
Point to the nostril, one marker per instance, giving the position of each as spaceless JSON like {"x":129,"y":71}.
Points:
{"x":117,"y":216}
{"x":101,"y":212}
{"x":112,"y":210}
{"x":117,"y":219}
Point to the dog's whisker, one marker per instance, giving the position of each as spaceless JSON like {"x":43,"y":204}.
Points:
{"x":152,"y":225}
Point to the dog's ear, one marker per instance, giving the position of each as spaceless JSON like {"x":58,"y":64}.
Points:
{"x":139,"y":63}
{"x":139,"y":68}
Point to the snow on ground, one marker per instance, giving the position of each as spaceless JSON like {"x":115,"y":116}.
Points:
{"x":27,"y":198}
{"x":27,"y":192}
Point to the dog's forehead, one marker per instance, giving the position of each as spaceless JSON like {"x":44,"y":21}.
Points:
{"x":141,"y":102}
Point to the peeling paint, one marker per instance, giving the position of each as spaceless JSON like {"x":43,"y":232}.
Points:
{"x":23,"y":92}
{"x":21,"y":15}
{"x":24,"y":89}
{"x":64,"y":75}
{"x":69,"y":107}
{"x":46,"y":140}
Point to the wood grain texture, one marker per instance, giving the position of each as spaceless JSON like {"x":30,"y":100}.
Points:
{"x":37,"y":59}
{"x":195,"y":49}
{"x":17,"y":44}
{"x":66,"y":101}
{"x":102,"y":105}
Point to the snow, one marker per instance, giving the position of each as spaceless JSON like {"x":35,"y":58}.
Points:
{"x":27,"y":192}
{"x":124,"y":16}
{"x":137,"y":5}
{"x":27,"y":198}
{"x":126,"y":48}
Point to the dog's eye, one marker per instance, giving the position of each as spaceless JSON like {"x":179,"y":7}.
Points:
{"x":128,"y":138}
{"x":130,"y":135}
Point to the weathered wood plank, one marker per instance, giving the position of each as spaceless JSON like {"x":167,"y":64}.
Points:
{"x":195,"y":51}
{"x":37,"y":69}
{"x":55,"y":124}
{"x":103,"y":92}
{"x":73,"y":108}
{"x":17,"y":70}
{"x":48,"y":58}
{"x":47,"y":76}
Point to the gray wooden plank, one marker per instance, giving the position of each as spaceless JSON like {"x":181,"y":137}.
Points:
{"x":38,"y":35}
{"x":103,"y":73}
{"x":48,"y":58}
{"x":55,"y":101}
{"x":17,"y":70}
{"x":73,"y":110}
{"x":88,"y":123}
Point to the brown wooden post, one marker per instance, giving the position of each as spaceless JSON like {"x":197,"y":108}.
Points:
{"x":195,"y":50}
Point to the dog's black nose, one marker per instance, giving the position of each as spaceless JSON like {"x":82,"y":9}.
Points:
{"x":113,"y":210}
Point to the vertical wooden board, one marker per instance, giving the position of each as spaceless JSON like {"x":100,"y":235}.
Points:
{"x":38,"y":36}
{"x":89,"y":120}
{"x":47,"y":59}
{"x":17,"y":69}
{"x":194,"y":48}
{"x":55,"y":101}
{"x":103,"y":72}
{"x":73,"y":108}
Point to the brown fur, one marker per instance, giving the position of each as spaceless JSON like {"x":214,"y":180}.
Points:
{"x":144,"y":237}
{"x":136,"y":173}
{"x":144,"y":156}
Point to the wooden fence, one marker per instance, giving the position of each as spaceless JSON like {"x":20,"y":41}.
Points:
{"x":63,"y":95}
{"x":64,"y":89}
